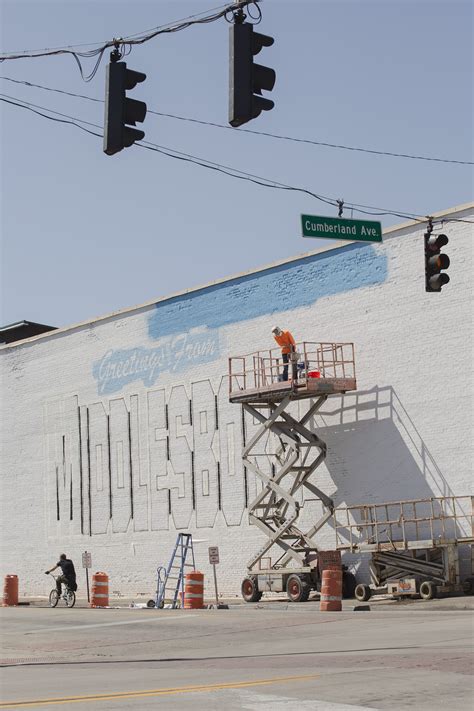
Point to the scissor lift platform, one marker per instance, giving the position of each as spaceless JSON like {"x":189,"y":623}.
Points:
{"x":267,"y":387}
{"x":298,"y":390}
{"x":322,"y":369}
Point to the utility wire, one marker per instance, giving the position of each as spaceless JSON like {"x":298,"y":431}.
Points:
{"x":227,"y":170}
{"x":316,"y":143}
{"x":257,"y":133}
{"x":178,"y":25}
{"x":179,"y":22}
{"x":74,"y":122}
{"x":6,"y":55}
{"x":58,"y":91}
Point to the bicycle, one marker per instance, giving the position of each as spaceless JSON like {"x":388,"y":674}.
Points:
{"x":68,"y":595}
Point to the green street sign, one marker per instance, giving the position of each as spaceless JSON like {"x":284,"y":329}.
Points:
{"x":339,"y":228}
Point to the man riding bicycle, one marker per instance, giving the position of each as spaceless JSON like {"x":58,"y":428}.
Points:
{"x":68,"y":576}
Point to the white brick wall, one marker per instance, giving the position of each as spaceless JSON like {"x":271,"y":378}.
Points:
{"x":106,"y":425}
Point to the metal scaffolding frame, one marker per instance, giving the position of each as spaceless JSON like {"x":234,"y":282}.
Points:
{"x":276,"y":509}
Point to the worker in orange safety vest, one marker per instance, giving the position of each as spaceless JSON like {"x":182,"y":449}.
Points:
{"x":288,"y":346}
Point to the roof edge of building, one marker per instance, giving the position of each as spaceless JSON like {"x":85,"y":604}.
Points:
{"x":335,"y":244}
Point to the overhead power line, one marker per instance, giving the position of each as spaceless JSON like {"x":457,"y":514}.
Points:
{"x":257,"y":133}
{"x":227,"y":170}
{"x":127,"y":42}
{"x":7,"y":55}
{"x":319,"y":143}
{"x":73,"y":121}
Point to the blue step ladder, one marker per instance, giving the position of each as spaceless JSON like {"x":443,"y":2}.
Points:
{"x":175,"y":572}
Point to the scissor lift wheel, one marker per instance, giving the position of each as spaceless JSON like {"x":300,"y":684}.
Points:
{"x":362,"y":592}
{"x":428,"y":590}
{"x":468,"y":586}
{"x":297,"y":589}
{"x":250,"y":591}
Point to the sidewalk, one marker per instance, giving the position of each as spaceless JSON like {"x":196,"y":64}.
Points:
{"x":455,"y":602}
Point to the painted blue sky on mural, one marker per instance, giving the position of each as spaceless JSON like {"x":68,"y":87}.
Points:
{"x":289,"y":286}
{"x":186,"y":328}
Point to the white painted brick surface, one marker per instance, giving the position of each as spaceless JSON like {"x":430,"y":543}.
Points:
{"x":112,"y":471}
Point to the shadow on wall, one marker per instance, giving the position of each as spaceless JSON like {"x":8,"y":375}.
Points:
{"x":375,"y":452}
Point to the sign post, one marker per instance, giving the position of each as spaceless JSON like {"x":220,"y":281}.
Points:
{"x":340,"y":228}
{"x":214,"y":559}
{"x":87,"y":563}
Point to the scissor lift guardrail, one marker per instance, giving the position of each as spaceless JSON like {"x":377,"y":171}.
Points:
{"x":323,"y":369}
{"x":256,"y":382}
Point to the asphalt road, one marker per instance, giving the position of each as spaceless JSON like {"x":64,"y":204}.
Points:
{"x":274,"y":657}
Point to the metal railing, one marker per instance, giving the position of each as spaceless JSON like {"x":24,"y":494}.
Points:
{"x":314,"y":360}
{"x":398,"y":524}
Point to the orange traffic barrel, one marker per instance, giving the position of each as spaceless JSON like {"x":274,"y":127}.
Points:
{"x":331,"y":590}
{"x":194,"y":591}
{"x":10,"y":591}
{"x":100,"y":590}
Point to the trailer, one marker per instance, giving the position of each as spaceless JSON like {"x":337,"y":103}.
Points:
{"x":414,"y":546}
{"x":289,"y":560}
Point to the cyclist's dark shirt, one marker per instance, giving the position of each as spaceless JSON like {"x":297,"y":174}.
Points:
{"x":67,"y":567}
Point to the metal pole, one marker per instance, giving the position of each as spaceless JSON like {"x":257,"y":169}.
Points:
{"x":87,"y":580}
{"x":215,"y":582}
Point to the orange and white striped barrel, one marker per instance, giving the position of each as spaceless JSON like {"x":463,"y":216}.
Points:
{"x":194,"y":591}
{"x":10,"y":591}
{"x":331,"y":589}
{"x":100,"y":590}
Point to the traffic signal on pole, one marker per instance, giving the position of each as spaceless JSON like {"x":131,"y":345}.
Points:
{"x":435,"y":262}
{"x":120,"y":111}
{"x":247,"y":79}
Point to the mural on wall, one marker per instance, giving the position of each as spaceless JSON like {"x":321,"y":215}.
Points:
{"x":290,"y":286}
{"x":183,"y":331}
{"x":174,"y":354}
{"x":153,"y":460}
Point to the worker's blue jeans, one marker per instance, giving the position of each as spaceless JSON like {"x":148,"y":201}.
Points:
{"x":294,"y":369}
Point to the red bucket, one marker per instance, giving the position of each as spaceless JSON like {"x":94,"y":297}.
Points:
{"x":314,"y":374}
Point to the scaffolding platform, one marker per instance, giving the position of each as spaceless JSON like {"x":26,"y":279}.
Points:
{"x":320,"y":369}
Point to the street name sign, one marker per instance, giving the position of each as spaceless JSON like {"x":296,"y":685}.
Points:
{"x":340,"y":228}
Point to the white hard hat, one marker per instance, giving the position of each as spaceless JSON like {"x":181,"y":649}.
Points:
{"x":276,"y":329}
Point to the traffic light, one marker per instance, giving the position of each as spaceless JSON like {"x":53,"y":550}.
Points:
{"x":120,"y":110}
{"x":435,"y":262}
{"x":246,"y":79}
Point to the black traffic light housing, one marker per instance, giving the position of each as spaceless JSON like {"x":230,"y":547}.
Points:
{"x":435,"y":262}
{"x":119,"y":109}
{"x":247,"y":79}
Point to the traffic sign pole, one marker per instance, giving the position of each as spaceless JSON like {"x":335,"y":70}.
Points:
{"x":214,"y":559}
{"x":87,"y":563}
{"x":215,"y":583}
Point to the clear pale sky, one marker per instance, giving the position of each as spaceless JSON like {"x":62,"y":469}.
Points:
{"x":84,"y":234}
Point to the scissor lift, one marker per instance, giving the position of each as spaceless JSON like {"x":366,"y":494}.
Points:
{"x":414,"y":545}
{"x":288,"y":560}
